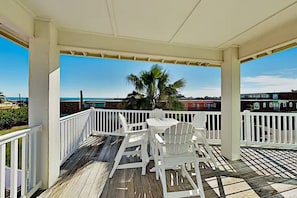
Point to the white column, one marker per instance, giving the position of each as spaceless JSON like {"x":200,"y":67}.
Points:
{"x":230,"y":73}
{"x":44,"y":98}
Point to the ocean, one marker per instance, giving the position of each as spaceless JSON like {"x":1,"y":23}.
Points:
{"x":61,"y":99}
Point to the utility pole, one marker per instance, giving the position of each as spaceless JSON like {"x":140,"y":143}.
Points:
{"x":81,"y":101}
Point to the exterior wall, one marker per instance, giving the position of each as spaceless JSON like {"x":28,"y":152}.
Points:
{"x":270,"y":102}
{"x":201,"y":105}
{"x":113,"y":105}
{"x":69,"y":107}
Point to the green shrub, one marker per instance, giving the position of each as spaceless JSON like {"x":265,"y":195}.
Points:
{"x":13,"y":117}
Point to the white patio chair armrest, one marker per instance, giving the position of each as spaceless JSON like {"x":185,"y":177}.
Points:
{"x":159,"y":139}
{"x":141,"y":124}
{"x":200,"y":129}
{"x":136,"y":131}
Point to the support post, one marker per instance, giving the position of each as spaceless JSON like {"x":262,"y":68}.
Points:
{"x":230,"y":73}
{"x":44,"y":99}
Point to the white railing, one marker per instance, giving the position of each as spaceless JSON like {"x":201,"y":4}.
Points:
{"x":19,"y":175}
{"x":74,"y":129}
{"x":270,"y":129}
{"x":257,"y":128}
{"x":105,"y":121}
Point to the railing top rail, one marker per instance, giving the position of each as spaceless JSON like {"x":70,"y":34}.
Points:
{"x":148,"y":111}
{"x":122,"y":110}
{"x":17,"y":134}
{"x":74,"y":115}
{"x":274,"y":113}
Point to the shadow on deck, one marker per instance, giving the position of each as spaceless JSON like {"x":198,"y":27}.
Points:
{"x":259,"y":173}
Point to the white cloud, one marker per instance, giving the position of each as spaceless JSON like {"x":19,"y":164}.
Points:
{"x":264,"y":83}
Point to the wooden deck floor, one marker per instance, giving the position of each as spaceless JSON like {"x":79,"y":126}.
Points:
{"x":259,"y":173}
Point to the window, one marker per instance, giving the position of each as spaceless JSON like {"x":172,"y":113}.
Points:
{"x":284,"y":105}
{"x":256,"y":106}
{"x":264,"y":104}
{"x":270,"y":105}
{"x":290,"y":104}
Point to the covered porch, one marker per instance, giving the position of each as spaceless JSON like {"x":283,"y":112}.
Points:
{"x":194,"y":33}
{"x":267,"y":167}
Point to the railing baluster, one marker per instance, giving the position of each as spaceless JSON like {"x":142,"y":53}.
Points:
{"x":285,"y":131}
{"x":273,"y":128}
{"x":268,"y":129}
{"x":258,"y":128}
{"x":24,"y":165}
{"x":2,"y":169}
{"x":253,"y":128}
{"x":34,"y":163}
{"x":14,"y":168}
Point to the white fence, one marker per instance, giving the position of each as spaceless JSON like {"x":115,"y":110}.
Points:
{"x":19,"y":175}
{"x":74,"y":129}
{"x":270,"y":129}
{"x":23,"y":173}
{"x":257,"y":128}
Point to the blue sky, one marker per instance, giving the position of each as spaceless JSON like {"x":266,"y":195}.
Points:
{"x":107,"y":77}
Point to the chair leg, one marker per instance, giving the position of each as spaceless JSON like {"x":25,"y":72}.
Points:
{"x":118,"y":157}
{"x":208,"y":149}
{"x":163,"y":180}
{"x":156,"y":161}
{"x":199,"y":180}
{"x":144,"y":157}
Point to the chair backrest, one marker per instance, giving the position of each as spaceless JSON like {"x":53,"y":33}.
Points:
{"x":199,"y":120}
{"x":157,"y":113}
{"x":123,"y":122}
{"x":178,"y":138}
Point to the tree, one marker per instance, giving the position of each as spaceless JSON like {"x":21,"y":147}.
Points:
{"x":152,"y":89}
{"x":2,"y":97}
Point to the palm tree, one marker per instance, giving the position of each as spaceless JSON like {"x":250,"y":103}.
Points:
{"x":154,"y":87}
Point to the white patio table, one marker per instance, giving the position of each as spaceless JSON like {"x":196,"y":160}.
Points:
{"x":157,"y":125}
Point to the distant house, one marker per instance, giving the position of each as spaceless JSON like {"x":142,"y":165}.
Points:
{"x":201,"y":105}
{"x":270,"y":102}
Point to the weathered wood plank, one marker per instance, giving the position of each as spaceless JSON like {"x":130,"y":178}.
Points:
{"x":259,"y":173}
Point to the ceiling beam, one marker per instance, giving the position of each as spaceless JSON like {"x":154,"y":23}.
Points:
{"x":281,"y":38}
{"x":16,"y":20}
{"x":136,"y":48}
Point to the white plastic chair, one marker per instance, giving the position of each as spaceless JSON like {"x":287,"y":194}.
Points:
{"x":132,"y":138}
{"x":176,"y":148}
{"x":199,"y":138}
{"x":157,"y":113}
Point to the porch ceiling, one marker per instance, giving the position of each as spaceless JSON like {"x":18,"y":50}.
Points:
{"x":256,"y":27}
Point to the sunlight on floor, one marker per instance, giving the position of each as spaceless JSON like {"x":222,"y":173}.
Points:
{"x":233,"y":187}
